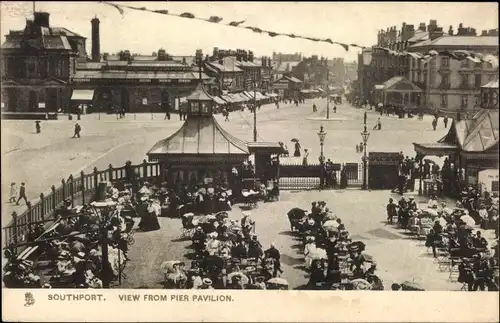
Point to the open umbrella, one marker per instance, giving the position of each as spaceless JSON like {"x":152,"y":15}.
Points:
{"x":431,"y":212}
{"x":330,"y":224}
{"x":278,"y":281}
{"x":294,"y":140}
{"x":442,"y":222}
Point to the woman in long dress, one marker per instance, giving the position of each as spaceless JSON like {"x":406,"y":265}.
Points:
{"x":297,"y":149}
{"x":149,"y":221}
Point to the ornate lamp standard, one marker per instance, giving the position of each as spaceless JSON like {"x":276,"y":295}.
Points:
{"x":364,"y":136}
{"x":321,"y":136}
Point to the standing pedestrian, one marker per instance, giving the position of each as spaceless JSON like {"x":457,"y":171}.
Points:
{"x":13,"y":192}
{"x":77,"y":131}
{"x":37,"y":126}
{"x":334,"y":109}
{"x":314,"y":107}
{"x":22,"y":194}
{"x":226,"y":114}
{"x":304,"y":159}
{"x":445,"y":120}
{"x":434,"y":124}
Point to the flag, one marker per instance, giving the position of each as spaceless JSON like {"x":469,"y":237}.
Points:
{"x":291,"y":35}
{"x":187,"y":15}
{"x":493,"y":60}
{"x":346,"y":47}
{"x":165,"y":12}
{"x":328,"y":40}
{"x":433,"y":52}
{"x":236,"y":23}
{"x":272,"y":34}
{"x":215,"y":19}
{"x":254,"y":29}
{"x":117,"y":7}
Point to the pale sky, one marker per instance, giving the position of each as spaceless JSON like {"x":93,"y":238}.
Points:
{"x":143,"y":32}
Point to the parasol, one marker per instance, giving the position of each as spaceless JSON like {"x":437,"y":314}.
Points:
{"x":361,"y":284}
{"x":168,"y":266}
{"x":278,"y":281}
{"x":330,"y":216}
{"x":244,"y":278}
{"x":442,"y":221}
{"x":431,"y":212}
{"x":411,"y":286}
{"x":468,"y":220}
{"x":331,"y":224}
{"x":380,"y":105}
{"x":294,"y":140}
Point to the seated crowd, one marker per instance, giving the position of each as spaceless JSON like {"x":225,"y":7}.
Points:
{"x":332,"y":258}
{"x":228,"y":256}
{"x":450,"y":231}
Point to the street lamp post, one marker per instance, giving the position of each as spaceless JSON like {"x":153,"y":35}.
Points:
{"x":364,"y":135}
{"x":327,"y":94}
{"x":254,"y":110}
{"x":321,"y":136}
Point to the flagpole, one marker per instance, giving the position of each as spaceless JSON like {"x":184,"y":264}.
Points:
{"x":34,"y":8}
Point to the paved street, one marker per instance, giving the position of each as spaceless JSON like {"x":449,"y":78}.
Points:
{"x":398,"y":257}
{"x":42,"y":160}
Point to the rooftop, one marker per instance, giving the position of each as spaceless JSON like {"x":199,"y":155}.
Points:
{"x":468,"y":41}
{"x":223,"y":68}
{"x":131,"y":75}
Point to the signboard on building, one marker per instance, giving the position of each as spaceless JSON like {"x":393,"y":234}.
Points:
{"x":282,"y":86}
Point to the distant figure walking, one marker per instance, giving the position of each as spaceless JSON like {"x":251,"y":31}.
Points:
{"x":297,"y":150}
{"x":13,"y":192}
{"x":360,"y":147}
{"x":314,"y":107}
{"x":304,"y":159}
{"x":22,"y":194}
{"x":226,"y":114}
{"x":334,"y":109}
{"x":77,"y":130}
{"x":37,"y":126}
{"x":445,"y":120}
{"x":434,"y":124}
{"x":378,"y":125}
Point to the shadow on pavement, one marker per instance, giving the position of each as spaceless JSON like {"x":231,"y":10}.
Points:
{"x":287,"y":233}
{"x":290,"y":261}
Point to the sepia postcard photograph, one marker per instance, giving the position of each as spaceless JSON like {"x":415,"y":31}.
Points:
{"x":249,"y":161}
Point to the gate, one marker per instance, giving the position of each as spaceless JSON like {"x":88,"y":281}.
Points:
{"x":383,"y":170}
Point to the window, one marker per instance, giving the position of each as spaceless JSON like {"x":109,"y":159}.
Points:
{"x":477,"y":80}
{"x":477,"y":100}
{"x":445,"y":62}
{"x":478,"y":65}
{"x":195,"y":107}
{"x":464,"y":63}
{"x":444,"y":100}
{"x":445,"y":80}
{"x":464,"y":81}
{"x":204,"y":107}
{"x":464,"y":102}
{"x":31,"y":68}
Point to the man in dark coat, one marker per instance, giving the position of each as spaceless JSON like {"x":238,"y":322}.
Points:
{"x":22,"y":194}
{"x":274,"y":253}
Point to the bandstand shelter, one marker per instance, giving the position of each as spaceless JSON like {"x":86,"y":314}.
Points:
{"x":472,"y":144}
{"x":397,"y":91}
{"x":201,"y":151}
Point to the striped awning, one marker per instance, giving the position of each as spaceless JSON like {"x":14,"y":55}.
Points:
{"x":218,"y":100}
{"x":82,"y":95}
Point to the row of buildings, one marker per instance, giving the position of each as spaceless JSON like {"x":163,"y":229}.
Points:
{"x":445,"y":84}
{"x":47,"y":69}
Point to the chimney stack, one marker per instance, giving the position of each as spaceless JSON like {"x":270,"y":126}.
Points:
{"x":450,"y":31}
{"x":484,"y":33}
{"x":42,"y":19}
{"x":436,"y":33}
{"x":422,"y":26}
{"x":96,"y":43}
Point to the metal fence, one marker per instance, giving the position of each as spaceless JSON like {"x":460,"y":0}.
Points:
{"x":84,"y":188}
{"x":303,"y":177}
{"x":80,"y":190}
